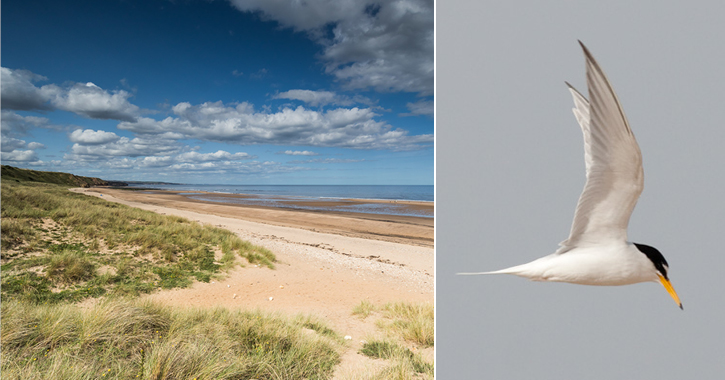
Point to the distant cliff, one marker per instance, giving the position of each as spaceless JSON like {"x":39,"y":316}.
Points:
{"x":10,"y":173}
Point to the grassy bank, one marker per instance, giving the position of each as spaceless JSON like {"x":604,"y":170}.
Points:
{"x":13,"y":174}
{"x":119,"y":339}
{"x":58,"y":245}
{"x":406,"y":328}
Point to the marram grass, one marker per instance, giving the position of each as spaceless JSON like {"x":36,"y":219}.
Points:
{"x":117,"y":339}
{"x":58,"y":245}
{"x":404,"y":325}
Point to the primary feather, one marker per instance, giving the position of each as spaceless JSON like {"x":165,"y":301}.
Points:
{"x":615,"y":178}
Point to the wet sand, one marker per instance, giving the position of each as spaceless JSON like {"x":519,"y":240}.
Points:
{"x":393,"y":228}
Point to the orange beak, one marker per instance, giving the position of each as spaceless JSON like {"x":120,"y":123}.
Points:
{"x":666,"y":283}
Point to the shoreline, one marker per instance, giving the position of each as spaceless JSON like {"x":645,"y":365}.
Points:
{"x":404,"y":229}
{"x":412,"y":208}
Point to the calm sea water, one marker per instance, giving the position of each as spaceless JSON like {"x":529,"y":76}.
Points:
{"x":282,"y":195}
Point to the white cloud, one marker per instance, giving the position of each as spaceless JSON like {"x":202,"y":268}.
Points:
{"x":9,"y":144}
{"x":217,"y":156}
{"x":14,"y":149}
{"x":19,"y":156}
{"x":313,"y":98}
{"x":91,"y":137}
{"x":19,"y":92}
{"x":13,"y":124}
{"x":158,"y":145}
{"x":322,"y":98}
{"x":234,"y":167}
{"x":341,"y":127}
{"x":328,"y":161}
{"x":155,"y":162}
{"x":299,"y":153}
{"x":85,"y":99}
{"x":421,"y":107}
{"x":384,"y":45}
{"x":94,"y":102}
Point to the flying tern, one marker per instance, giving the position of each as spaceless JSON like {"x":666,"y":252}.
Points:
{"x":597,"y":251}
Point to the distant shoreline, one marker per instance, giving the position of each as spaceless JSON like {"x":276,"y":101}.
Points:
{"x":392,"y":207}
{"x":422,"y":193}
{"x":306,"y":214}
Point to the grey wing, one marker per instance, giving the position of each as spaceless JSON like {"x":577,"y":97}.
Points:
{"x":615,"y":178}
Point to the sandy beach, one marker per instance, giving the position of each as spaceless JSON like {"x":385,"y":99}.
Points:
{"x":328,"y":262}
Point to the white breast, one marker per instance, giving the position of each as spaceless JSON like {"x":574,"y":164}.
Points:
{"x":616,"y":264}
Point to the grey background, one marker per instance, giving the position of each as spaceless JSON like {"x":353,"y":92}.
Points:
{"x":510,"y":168}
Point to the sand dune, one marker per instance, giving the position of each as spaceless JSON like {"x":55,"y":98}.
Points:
{"x":327,"y":262}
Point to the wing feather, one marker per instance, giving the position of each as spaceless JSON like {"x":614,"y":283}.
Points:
{"x":615,"y":178}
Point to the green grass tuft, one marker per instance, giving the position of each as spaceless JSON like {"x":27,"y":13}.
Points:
{"x":364,"y":309}
{"x":402,"y":357}
{"x":414,"y":322}
{"x":60,"y":235}
{"x":129,"y":340}
{"x":70,"y":266}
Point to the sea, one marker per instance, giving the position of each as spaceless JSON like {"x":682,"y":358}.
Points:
{"x":284,"y":195}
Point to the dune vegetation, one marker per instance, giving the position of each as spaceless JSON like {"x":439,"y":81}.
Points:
{"x":121,"y":339}
{"x":406,"y":327}
{"x":61,"y":248}
{"x":58,"y":245}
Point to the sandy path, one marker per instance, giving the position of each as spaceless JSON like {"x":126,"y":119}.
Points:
{"x":317,"y":273}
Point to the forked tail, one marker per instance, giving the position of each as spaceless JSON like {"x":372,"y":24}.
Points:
{"x":515,"y":270}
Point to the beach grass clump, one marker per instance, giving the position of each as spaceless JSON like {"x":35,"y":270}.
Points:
{"x":405,"y":363}
{"x":363,"y":309}
{"x":70,"y":266}
{"x":78,"y":246}
{"x":121,"y":339}
{"x":406,"y":328}
{"x":15,"y":232}
{"x":413,"y":322}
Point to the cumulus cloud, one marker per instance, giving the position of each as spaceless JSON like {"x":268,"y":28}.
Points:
{"x":19,"y":92}
{"x":233,"y":167}
{"x":322,"y":98}
{"x":13,"y":124}
{"x":342,"y":127}
{"x":35,"y":145}
{"x":94,"y":102}
{"x":313,"y":98}
{"x":16,"y":150}
{"x":154,"y":145}
{"x":10,"y":144}
{"x":85,"y":99}
{"x":385,"y":45}
{"x":299,"y":153}
{"x":327,"y":161}
{"x":219,"y":155}
{"x":17,"y":156}
{"x":421,"y":107}
{"x":155,"y":162}
{"x":91,"y":137}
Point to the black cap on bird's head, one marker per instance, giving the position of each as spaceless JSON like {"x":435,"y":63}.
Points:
{"x":662,"y":267}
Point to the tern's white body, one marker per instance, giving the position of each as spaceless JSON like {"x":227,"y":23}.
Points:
{"x":608,"y":265}
{"x":597,"y":251}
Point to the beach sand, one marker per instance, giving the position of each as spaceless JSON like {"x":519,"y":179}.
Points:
{"x":328,"y":262}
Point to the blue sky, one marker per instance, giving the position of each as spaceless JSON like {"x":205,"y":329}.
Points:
{"x":247,"y":92}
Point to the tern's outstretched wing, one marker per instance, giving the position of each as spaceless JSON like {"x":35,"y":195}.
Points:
{"x":613,"y":164}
